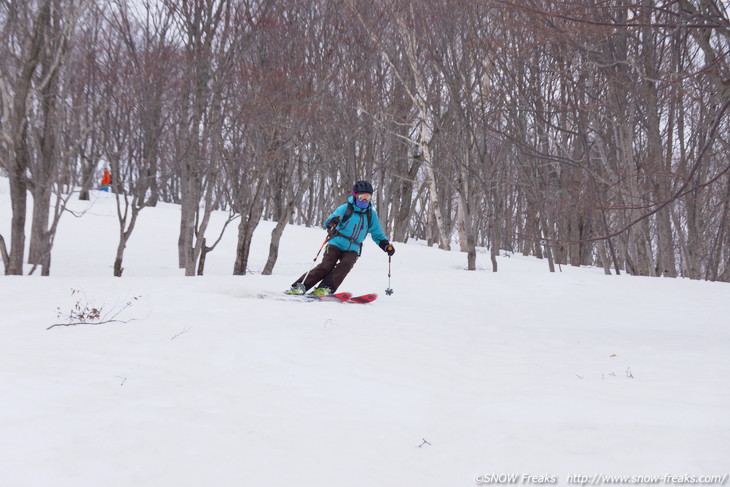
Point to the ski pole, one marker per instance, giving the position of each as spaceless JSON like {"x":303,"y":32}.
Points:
{"x":329,"y":236}
{"x":389,"y":291}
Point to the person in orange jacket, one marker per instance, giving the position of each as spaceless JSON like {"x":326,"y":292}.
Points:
{"x":106,"y":180}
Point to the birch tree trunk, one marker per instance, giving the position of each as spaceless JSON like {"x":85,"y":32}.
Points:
{"x":425,"y":120}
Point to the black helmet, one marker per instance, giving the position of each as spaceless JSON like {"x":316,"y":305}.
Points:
{"x":362,"y":187}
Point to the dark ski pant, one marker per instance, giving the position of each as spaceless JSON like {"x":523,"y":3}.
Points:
{"x":333,"y":269}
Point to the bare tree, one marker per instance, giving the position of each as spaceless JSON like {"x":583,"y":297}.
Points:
{"x":407,"y":21}
{"x":205,"y":30}
{"x":140,"y":55}
{"x":35,"y":37}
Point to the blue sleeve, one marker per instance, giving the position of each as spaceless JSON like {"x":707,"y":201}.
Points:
{"x":376,"y":231}
{"x":340,"y":211}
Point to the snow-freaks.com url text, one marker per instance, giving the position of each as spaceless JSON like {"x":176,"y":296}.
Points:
{"x":601,"y":479}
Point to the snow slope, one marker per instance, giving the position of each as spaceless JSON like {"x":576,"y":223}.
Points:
{"x":221,"y":381}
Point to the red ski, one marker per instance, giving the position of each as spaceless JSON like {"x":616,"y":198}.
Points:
{"x":338,"y":297}
{"x":341,"y":297}
{"x":364,"y":299}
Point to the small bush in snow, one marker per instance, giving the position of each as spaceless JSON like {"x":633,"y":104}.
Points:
{"x":84,"y":312}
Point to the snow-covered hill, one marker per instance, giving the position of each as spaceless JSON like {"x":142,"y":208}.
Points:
{"x":458,"y":376}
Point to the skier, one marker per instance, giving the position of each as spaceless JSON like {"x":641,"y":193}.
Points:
{"x":106,"y":180}
{"x":347,"y":226}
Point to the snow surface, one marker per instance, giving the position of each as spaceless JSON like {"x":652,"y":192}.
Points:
{"x":221,"y":381}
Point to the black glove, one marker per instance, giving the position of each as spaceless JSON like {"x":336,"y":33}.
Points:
{"x":333,"y":222}
{"x":385,"y":245}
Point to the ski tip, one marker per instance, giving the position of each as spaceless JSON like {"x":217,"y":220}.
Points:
{"x":365,"y":298}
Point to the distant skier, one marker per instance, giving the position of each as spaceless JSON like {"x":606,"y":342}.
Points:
{"x":347,"y":226}
{"x":106,"y":180}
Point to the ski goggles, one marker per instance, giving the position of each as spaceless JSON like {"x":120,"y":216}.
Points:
{"x":364,"y":196}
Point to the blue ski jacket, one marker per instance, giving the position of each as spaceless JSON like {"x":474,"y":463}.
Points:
{"x":352,"y":232}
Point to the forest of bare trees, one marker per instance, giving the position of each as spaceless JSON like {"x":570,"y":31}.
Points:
{"x":583,"y":133}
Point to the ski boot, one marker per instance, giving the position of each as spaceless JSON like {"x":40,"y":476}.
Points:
{"x":297,"y":288}
{"x":322,"y":291}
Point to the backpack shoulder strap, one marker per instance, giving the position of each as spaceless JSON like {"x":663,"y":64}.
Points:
{"x":348,"y":212}
{"x":351,"y":208}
